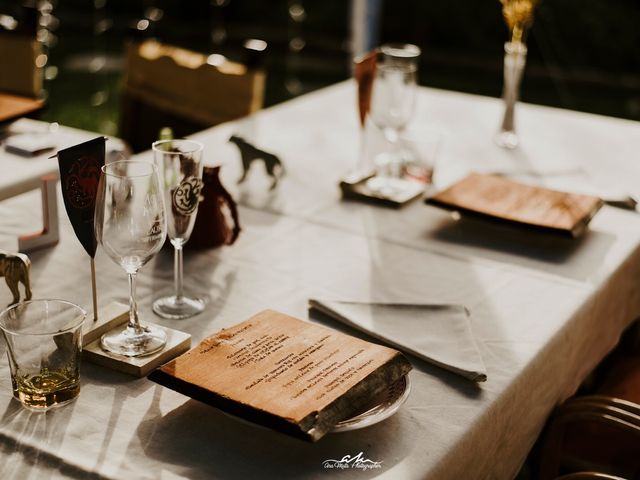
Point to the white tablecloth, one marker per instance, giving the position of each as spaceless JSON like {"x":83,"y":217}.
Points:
{"x":544,"y":310}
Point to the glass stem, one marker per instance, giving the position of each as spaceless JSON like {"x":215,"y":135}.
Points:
{"x":394,"y":168}
{"x":177,"y":273}
{"x":361,"y":164}
{"x":134,"y":322}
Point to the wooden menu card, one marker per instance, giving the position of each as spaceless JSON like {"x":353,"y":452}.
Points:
{"x":504,"y":200}
{"x":275,"y":370}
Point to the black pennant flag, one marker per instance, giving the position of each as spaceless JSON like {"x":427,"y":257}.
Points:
{"x":79,"y":176}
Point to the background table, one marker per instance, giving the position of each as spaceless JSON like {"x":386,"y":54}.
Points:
{"x":544,"y":310}
{"x":21,"y":173}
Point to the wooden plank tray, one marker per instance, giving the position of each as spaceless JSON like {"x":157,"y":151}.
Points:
{"x":505,"y":201}
{"x":293,"y":376}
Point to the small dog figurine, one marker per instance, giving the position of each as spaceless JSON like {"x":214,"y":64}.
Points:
{"x":15,"y":268}
{"x":250,"y":153}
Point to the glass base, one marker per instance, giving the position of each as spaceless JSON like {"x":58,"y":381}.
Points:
{"x":171,"y":307}
{"x":31,"y":408}
{"x":507,"y":139}
{"x":130,"y":343}
{"x":42,"y":401}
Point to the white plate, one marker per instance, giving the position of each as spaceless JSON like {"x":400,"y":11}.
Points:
{"x":381,"y":407}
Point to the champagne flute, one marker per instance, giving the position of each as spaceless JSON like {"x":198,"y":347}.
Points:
{"x":180,"y":166}
{"x":131,"y":227}
{"x":392,"y":106}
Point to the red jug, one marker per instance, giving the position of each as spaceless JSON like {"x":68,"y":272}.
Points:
{"x":212,"y":227}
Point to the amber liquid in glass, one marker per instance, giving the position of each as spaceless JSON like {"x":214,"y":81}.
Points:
{"x":47,"y":389}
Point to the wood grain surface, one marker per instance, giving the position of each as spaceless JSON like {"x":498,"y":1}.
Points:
{"x":504,"y":200}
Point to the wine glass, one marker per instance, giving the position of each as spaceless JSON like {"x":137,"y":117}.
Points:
{"x":392,"y":106}
{"x":131,"y":227}
{"x":180,"y":165}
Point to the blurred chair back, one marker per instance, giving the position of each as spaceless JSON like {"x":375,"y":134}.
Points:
{"x":19,"y":52}
{"x":167,"y":86}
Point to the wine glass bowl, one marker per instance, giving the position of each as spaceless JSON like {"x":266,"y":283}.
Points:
{"x":394,"y":87}
{"x":393,"y":98}
{"x":130,"y":225}
{"x":180,"y":165}
{"x":132,"y":231}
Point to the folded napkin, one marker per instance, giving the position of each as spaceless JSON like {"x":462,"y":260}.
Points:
{"x":29,"y":144}
{"x":438,"y":334}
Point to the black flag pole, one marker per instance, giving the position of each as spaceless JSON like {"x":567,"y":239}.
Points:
{"x":94,"y":291}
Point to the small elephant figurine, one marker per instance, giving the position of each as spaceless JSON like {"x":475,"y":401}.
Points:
{"x":249,"y":154}
{"x":14,"y":267}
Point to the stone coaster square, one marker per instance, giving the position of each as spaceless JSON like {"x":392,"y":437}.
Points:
{"x":177,"y":343}
{"x":109,"y":317}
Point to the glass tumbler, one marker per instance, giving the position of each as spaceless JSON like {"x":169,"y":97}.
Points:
{"x":44,"y":343}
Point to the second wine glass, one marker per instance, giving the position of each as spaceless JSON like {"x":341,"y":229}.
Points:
{"x":131,"y":227}
{"x":180,"y":165}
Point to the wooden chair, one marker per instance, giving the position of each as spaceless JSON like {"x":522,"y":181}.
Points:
{"x":20,"y":68}
{"x":588,"y":476}
{"x":622,"y":379}
{"x":167,"y":86}
{"x":596,"y":433}
{"x":599,"y":432}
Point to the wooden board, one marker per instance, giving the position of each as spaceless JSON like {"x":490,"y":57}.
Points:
{"x":13,"y":106}
{"x":278,"y":371}
{"x":177,"y":342}
{"x":504,"y":200}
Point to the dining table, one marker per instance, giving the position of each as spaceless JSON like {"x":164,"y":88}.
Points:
{"x":544,"y":309}
{"x":23,"y":171}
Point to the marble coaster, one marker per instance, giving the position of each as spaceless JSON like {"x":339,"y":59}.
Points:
{"x":177,"y":343}
{"x":109,"y":317}
{"x":357,"y":186}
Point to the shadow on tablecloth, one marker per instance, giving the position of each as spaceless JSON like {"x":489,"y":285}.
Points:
{"x":201,"y":442}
